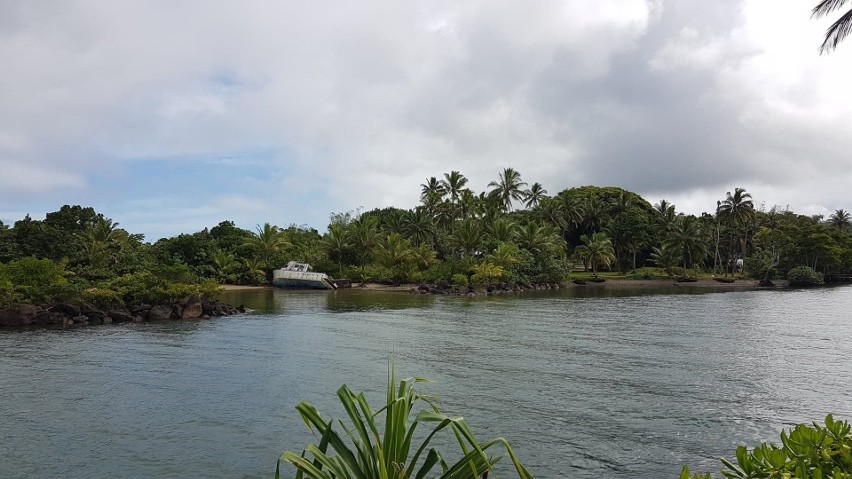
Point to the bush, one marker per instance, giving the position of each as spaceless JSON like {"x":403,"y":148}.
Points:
{"x":459,"y":280}
{"x":35,"y":281}
{"x":378,"y":442}
{"x":804,"y":276}
{"x":437,"y":273}
{"x":102,"y":298}
{"x":805,"y":453}
{"x":647,"y":273}
{"x":144,"y":287}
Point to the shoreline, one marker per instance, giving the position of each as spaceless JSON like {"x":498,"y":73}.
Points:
{"x":610,"y":283}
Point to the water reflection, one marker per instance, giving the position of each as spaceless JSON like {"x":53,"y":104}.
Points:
{"x":281,"y":301}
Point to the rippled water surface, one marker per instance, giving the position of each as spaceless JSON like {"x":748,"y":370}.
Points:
{"x":584,"y":384}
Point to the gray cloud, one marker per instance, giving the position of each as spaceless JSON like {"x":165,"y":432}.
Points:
{"x":357,"y":103}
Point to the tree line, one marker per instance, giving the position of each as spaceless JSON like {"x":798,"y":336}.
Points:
{"x":511,"y":232}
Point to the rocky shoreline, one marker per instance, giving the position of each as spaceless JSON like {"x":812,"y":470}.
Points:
{"x":64,"y":315}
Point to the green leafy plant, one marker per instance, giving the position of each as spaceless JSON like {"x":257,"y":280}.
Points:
{"x":818,"y":452}
{"x":460,"y":280}
{"x":804,"y":276}
{"x":370,"y":454}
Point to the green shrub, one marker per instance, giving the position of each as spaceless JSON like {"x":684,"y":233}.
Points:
{"x":415,"y":277}
{"x":647,"y":273}
{"x":381,"y":443}
{"x":145,"y":287}
{"x":818,"y":452}
{"x":437,"y":273}
{"x":804,"y":276}
{"x":459,"y":280}
{"x":102,"y":298}
{"x":372,"y":273}
{"x":35,"y":281}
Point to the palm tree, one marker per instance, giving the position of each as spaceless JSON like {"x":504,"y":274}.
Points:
{"x":505,"y":255}
{"x":394,"y":252}
{"x":621,"y":203}
{"x":596,"y":250}
{"x":423,"y":256}
{"x":364,"y":236}
{"x":595,"y":214}
{"x":101,"y":242}
{"x":664,"y":217}
{"x":534,"y":195}
{"x":688,"y":238}
{"x":337,"y":245}
{"x":736,"y":210}
{"x":267,"y":242}
{"x":502,"y":230}
{"x":507,"y":188}
{"x":467,"y":236}
{"x":432,"y":185}
{"x":838,"y":30}
{"x":666,"y":257}
{"x":840,"y":219}
{"x":253,"y":267}
{"x":418,"y":226}
{"x":453,"y":183}
{"x":537,"y":239}
{"x":223,"y":263}
{"x":468,"y":204}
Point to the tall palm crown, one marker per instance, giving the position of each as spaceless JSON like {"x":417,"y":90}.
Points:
{"x":688,"y":238}
{"x":268,"y":241}
{"x":840,"y":219}
{"x":432,"y":186}
{"x":737,"y":208}
{"x":534,"y":195}
{"x":453,"y":182}
{"x":508,"y":187}
{"x":838,"y":30}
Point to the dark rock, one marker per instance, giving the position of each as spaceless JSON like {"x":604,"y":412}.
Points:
{"x":119,"y":315}
{"x":138,"y":319}
{"x":141,"y":310}
{"x":579,"y":281}
{"x":766,"y":283}
{"x":68,"y":309}
{"x":79,"y":319}
{"x":91,"y":311}
{"x":159,"y":313}
{"x":49,"y":318}
{"x":191,"y":311}
{"x":19,"y":315}
{"x":107,"y":320}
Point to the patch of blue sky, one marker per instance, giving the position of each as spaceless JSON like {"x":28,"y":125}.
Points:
{"x":199,"y":174}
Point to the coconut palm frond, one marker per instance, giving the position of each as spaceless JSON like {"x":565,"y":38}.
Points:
{"x":837,"y":32}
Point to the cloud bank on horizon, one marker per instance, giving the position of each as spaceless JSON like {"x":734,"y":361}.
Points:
{"x":173,"y":116}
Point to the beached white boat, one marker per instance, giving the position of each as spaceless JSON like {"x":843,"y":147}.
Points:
{"x":299,"y":276}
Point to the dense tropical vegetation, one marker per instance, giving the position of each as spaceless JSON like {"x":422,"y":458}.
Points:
{"x":506,"y":234}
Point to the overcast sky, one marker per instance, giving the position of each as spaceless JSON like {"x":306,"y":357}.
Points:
{"x":169,"y":116}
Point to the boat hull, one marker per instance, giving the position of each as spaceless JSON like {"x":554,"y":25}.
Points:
{"x":284,"y":278}
{"x":290,"y":283}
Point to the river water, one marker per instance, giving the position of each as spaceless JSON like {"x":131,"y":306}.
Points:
{"x":584,"y":383}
